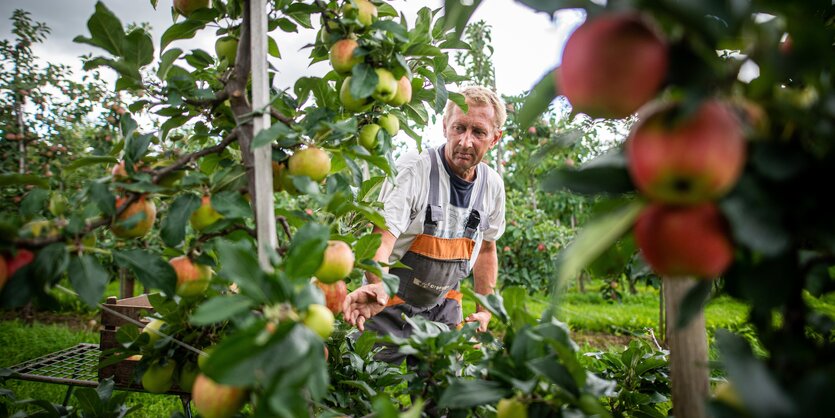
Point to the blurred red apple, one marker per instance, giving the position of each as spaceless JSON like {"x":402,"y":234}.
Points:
{"x":694,"y":159}
{"x":680,"y":241}
{"x":611,"y":65}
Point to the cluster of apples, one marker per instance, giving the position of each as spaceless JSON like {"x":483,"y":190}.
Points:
{"x":389,"y":90}
{"x":682,"y":160}
{"x":211,"y":399}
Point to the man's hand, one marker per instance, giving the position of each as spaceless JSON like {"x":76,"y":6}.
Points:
{"x":363,"y":303}
{"x":483,"y":318}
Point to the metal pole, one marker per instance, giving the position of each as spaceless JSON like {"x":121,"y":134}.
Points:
{"x":264,"y":209}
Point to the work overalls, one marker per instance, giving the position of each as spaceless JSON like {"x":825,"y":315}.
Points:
{"x":431,"y":287}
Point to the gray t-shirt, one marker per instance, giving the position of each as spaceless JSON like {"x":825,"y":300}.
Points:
{"x":404,"y":204}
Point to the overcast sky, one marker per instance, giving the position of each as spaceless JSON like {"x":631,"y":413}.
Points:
{"x":527,"y":44}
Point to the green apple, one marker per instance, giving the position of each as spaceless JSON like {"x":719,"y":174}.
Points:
{"x":319,"y":319}
{"x":188,"y":373}
{"x":154,"y":325}
{"x":403,"y":94}
{"x":350,"y":103}
{"x":58,"y":204}
{"x":203,"y":358}
{"x":511,"y":408}
{"x":386,"y":87}
{"x":205,"y":215}
{"x":390,"y":123}
{"x":337,"y":263}
{"x":311,"y":162}
{"x":368,"y":135}
{"x":226,"y":49}
{"x":342,"y":56}
{"x":159,"y":378}
{"x":366,"y":11}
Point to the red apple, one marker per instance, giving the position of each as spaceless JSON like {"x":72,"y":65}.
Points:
{"x":187,"y":7}
{"x":140,"y":228}
{"x":334,"y":294}
{"x":696,"y":159}
{"x":214,"y":400}
{"x":192,"y":278}
{"x":342,"y":55}
{"x":611,"y":65}
{"x":20,"y":259}
{"x":337,"y":263}
{"x":680,"y":241}
{"x":403,"y":94}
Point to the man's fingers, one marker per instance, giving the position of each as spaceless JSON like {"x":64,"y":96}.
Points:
{"x":361,"y":323}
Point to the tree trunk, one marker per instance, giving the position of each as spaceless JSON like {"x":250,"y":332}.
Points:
{"x":688,"y":353}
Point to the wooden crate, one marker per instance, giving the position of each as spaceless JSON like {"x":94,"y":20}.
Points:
{"x":135,"y":308}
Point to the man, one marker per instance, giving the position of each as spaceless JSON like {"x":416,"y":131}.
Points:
{"x":444,"y":213}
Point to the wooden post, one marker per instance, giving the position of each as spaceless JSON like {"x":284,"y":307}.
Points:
{"x":688,"y":353}
{"x":264,"y":209}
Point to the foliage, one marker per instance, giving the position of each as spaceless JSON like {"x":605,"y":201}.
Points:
{"x":642,"y":375}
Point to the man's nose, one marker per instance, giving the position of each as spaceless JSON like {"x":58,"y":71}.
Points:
{"x":468,"y":139}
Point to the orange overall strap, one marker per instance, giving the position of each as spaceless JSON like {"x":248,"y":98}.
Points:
{"x":452,"y":294}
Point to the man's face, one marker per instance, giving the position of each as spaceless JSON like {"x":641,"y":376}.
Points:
{"x":468,"y":137}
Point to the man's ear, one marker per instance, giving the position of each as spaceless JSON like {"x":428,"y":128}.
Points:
{"x":497,"y":138}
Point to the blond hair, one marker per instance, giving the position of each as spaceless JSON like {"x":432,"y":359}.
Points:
{"x":481,"y":96}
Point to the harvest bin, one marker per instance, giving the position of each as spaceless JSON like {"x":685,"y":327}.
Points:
{"x":137,"y":307}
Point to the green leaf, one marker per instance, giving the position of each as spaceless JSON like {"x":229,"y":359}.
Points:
{"x":239,"y":264}
{"x":173,"y":226}
{"x":231,"y":204}
{"x":595,"y":238}
{"x":137,"y":147}
{"x":492,"y":302}
{"x":366,"y":246}
{"x":693,"y":303}
{"x":34,"y":202}
{"x":363,"y":81}
{"x":105,"y":30}
{"x":471,"y":393}
{"x":184,"y":30}
{"x":88,"y":278}
{"x":166,"y":60}
{"x":267,"y":136}
{"x":90,"y":160}
{"x":51,"y":262}
{"x":758,"y":388}
{"x":441,"y":94}
{"x":272,"y":47}
{"x":22,"y":179}
{"x":88,"y":400}
{"x":138,"y":48}
{"x":101,"y":195}
{"x":756,"y":217}
{"x":537,"y":101}
{"x":150,"y":269}
{"x":551,"y":368}
{"x":551,"y":6}
{"x":606,"y":174}
{"x":306,"y":250}
{"x":219,"y":309}
{"x":457,"y":14}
